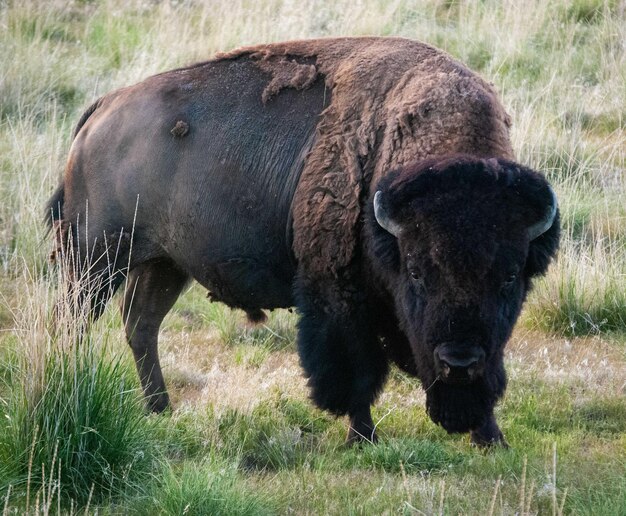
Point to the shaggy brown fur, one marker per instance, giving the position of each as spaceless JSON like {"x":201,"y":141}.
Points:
{"x":394,"y":101}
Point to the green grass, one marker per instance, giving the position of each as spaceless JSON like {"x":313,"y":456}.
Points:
{"x":76,"y":430}
{"x":408,"y":455}
{"x":244,"y":438}
{"x":585,"y":291}
{"x":206,"y":487}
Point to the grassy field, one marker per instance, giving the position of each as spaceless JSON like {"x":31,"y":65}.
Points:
{"x":243,"y":437}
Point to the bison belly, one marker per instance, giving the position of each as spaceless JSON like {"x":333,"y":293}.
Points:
{"x":206,"y":170}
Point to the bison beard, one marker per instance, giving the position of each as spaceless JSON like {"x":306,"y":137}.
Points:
{"x":461,"y":408}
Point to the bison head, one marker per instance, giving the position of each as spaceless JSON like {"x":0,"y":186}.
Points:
{"x":456,"y":241}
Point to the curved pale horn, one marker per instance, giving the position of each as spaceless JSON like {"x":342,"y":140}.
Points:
{"x":545,"y":223}
{"x":383,"y":219}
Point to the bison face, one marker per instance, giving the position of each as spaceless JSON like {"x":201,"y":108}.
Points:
{"x":456,"y":242}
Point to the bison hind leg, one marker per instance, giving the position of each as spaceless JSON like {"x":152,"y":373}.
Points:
{"x":152,"y":289}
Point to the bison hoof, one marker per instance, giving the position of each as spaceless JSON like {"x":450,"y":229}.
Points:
{"x":362,"y":428}
{"x":488,"y":435}
{"x":358,"y":437}
{"x":158,"y":403}
{"x":480,"y":442}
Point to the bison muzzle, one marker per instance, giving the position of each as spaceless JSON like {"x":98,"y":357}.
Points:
{"x":369,"y":182}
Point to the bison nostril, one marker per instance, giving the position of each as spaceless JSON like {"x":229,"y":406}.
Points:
{"x":475,"y":370}
{"x":458,"y":365}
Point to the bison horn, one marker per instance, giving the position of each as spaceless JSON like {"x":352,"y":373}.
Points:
{"x":545,"y":223}
{"x":383,"y":219}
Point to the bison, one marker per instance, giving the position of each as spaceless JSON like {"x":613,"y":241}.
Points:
{"x":369,"y":182}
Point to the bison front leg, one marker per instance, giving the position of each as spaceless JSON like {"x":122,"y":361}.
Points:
{"x":339,"y":352}
{"x":152,"y":290}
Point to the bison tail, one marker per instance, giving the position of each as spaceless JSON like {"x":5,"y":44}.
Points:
{"x":54,"y":207}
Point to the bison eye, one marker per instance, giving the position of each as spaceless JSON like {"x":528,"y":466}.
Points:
{"x":509,"y":281}
{"x":416,"y":278}
{"x":415,"y":274}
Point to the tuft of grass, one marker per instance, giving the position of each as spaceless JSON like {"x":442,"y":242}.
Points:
{"x":201,"y":488}
{"x":265,"y":441}
{"x":530,"y":408}
{"x":588,"y":11}
{"x":601,"y":416}
{"x":604,"y":123}
{"x":77,"y":430}
{"x":303,"y":416}
{"x":279,"y":332}
{"x":606,"y":497}
{"x":116,"y":37}
{"x":410,"y":455}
